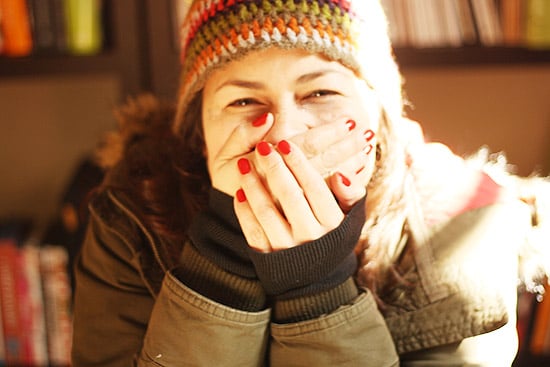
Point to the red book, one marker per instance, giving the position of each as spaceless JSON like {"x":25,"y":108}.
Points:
{"x":13,"y":336}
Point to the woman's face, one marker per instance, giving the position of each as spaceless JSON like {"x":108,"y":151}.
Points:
{"x":301,"y":90}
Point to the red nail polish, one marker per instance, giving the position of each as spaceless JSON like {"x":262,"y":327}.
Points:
{"x":369,"y":134}
{"x":284,"y":147}
{"x":241,"y":197}
{"x":263,"y":148}
{"x":344,"y":179}
{"x":350,"y":124}
{"x":368,"y":149}
{"x":244,"y":166}
{"x":260,"y":120}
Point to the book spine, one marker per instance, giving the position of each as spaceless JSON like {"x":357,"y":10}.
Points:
{"x":42,"y":25}
{"x":537,"y":27}
{"x":13,"y":339}
{"x":487,"y":21}
{"x":37,"y":328}
{"x":57,"y":302}
{"x":511,"y":16}
{"x":16,"y":28}
{"x":1,"y":33}
{"x":22,"y":294}
{"x":57,"y":10}
{"x":84,"y":26}
{"x":467,"y":23}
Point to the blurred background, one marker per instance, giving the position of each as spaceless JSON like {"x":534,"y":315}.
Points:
{"x":476,"y":74}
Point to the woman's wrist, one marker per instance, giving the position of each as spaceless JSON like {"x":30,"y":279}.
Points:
{"x":315,"y":305}
{"x":203,"y":276}
{"x":315,"y":266}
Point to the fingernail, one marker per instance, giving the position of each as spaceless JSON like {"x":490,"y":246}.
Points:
{"x":284,"y":147}
{"x":263,"y":148}
{"x":350,"y":124}
{"x":369,"y":134}
{"x":241,"y":197}
{"x":368,"y":149}
{"x":344,"y":179}
{"x":244,"y":166}
{"x":260,"y":120}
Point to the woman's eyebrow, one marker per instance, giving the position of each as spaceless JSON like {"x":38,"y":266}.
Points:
{"x":248,"y":84}
{"x":314,"y":75}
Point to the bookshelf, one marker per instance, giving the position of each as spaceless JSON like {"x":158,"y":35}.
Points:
{"x":124,"y":53}
{"x":477,"y":55}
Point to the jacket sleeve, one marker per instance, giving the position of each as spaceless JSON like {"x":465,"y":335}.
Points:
{"x":118,"y":321}
{"x":353,"y":335}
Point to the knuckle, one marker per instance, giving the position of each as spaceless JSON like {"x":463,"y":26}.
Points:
{"x":330,"y":158}
{"x":309,"y":146}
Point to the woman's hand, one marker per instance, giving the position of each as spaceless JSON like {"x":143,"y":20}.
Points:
{"x":340,"y":152}
{"x":290,"y":205}
{"x":344,"y":155}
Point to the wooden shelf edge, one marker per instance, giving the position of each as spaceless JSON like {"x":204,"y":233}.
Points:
{"x":468,"y":55}
{"x":43,"y":65}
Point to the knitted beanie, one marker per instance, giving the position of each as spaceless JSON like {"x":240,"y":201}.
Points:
{"x":215,"y":32}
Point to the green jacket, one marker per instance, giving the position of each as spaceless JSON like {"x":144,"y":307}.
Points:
{"x":130,"y":307}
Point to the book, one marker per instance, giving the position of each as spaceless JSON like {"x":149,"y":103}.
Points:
{"x":16,"y":28}
{"x":511,"y":16}
{"x":394,"y":26}
{"x":401,"y":20}
{"x":57,"y":10}
{"x":537,"y":26}
{"x":83,"y":20}
{"x":57,"y":302}
{"x":450,"y":22}
{"x":1,"y":37}
{"x":42,"y":25}
{"x":35,"y":330}
{"x":487,"y":21}
{"x":467,"y":23}
{"x":11,"y":314}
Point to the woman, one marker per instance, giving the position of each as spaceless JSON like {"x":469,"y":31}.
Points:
{"x":287,"y":214}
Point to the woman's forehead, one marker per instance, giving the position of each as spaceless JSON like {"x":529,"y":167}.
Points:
{"x":274,"y":62}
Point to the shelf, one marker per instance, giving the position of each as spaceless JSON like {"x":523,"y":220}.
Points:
{"x":125,"y":54}
{"x":526,"y":360}
{"x":409,"y":57}
{"x":43,"y":65}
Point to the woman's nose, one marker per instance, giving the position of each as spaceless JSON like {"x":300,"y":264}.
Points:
{"x":289,"y":120}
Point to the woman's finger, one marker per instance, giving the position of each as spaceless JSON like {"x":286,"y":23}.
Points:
{"x":241,"y":142}
{"x":316,"y":140}
{"x":316,"y":192}
{"x":348,"y":184}
{"x":252,"y":230}
{"x":264,"y":207}
{"x":347,"y":191}
{"x":285,"y":189}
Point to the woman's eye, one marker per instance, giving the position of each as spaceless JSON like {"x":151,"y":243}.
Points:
{"x":243,"y":102}
{"x":322,"y":93}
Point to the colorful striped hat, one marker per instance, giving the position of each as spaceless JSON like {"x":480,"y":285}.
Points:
{"x":217,"y":31}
